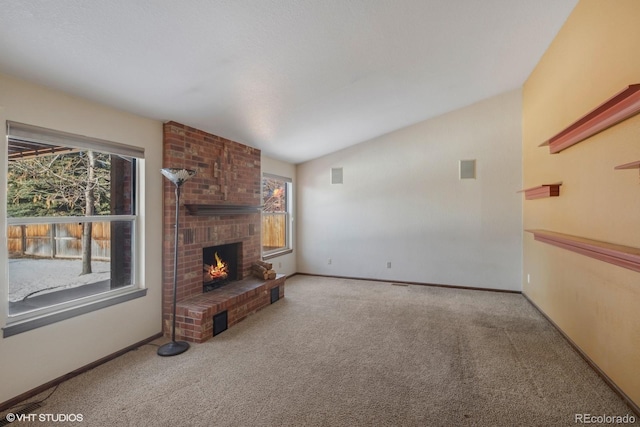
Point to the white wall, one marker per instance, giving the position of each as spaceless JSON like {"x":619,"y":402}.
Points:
{"x":402,"y":202}
{"x":285,"y":264}
{"x":33,"y":358}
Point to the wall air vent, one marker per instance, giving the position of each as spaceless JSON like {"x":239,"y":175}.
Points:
{"x":336,"y":175}
{"x":275,"y":294}
{"x":220,"y":322}
{"x":467,"y":169}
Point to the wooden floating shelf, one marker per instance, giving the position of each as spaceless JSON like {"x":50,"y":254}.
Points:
{"x":622,"y":106}
{"x":632,"y":165}
{"x":215,"y":210}
{"x":541,"y":191}
{"x":622,"y":256}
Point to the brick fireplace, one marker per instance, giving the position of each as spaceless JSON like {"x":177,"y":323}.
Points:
{"x":228,"y":176}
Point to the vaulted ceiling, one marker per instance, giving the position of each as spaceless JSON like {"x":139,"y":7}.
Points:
{"x":295,"y":78}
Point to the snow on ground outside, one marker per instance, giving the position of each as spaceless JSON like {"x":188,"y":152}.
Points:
{"x":27,"y":275}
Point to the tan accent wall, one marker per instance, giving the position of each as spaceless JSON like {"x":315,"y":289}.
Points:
{"x":594,"y":56}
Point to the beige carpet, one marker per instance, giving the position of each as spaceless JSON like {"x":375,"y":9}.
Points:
{"x":354,"y":353}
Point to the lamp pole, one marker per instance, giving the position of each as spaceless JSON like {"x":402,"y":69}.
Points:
{"x":178,"y":177}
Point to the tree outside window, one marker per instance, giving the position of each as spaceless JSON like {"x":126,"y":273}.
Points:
{"x":71,"y":219}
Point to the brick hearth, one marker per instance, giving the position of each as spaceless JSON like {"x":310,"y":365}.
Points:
{"x":228,"y":173}
{"x":194,"y":316}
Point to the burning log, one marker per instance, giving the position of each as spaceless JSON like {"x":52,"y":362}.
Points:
{"x":215,"y":272}
{"x":262,"y":273}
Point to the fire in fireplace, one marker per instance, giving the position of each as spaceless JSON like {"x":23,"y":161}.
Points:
{"x":217,"y":270}
{"x":219,"y":265}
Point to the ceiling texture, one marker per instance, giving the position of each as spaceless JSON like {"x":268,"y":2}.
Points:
{"x":297,"y":79}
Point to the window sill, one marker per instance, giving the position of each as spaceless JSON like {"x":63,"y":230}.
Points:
{"x":29,"y":324}
{"x":276,"y":254}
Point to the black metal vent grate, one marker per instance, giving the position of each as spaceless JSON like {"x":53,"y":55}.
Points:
{"x":219,"y":323}
{"x":275,"y":294}
{"x":29,"y":408}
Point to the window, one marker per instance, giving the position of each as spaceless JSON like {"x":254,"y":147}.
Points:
{"x":71,"y":223}
{"x":276,"y":216}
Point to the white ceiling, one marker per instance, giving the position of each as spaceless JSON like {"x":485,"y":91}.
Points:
{"x":295,"y":78}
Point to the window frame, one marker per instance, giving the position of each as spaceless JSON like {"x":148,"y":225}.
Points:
{"x":288,"y":248}
{"x":28,"y":320}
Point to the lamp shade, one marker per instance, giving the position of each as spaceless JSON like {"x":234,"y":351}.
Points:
{"x":177,"y":176}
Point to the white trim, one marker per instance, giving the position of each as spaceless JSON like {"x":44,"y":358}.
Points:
{"x":41,"y":316}
{"x":17,"y":325}
{"x":40,"y":135}
{"x":273,"y":176}
{"x":288,"y":213}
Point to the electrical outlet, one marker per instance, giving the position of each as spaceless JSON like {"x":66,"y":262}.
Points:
{"x":528,"y":278}
{"x":279,"y":265}
{"x":329,"y":261}
{"x":388,"y":264}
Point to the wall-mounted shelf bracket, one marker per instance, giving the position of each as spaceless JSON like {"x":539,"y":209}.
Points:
{"x":620,"y":107}
{"x":632,"y":165}
{"x":622,"y":256}
{"x":541,"y":191}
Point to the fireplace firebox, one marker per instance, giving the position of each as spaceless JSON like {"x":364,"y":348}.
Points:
{"x":220,"y":265}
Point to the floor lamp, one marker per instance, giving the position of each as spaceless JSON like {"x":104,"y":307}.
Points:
{"x":178,"y":177}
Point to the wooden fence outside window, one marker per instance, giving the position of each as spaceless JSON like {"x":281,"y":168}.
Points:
{"x":274,"y":230}
{"x":58,"y":240}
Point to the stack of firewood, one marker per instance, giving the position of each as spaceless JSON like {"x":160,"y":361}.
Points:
{"x":263,"y":270}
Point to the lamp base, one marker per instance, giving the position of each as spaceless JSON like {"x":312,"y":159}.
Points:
{"x":173,"y":348}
